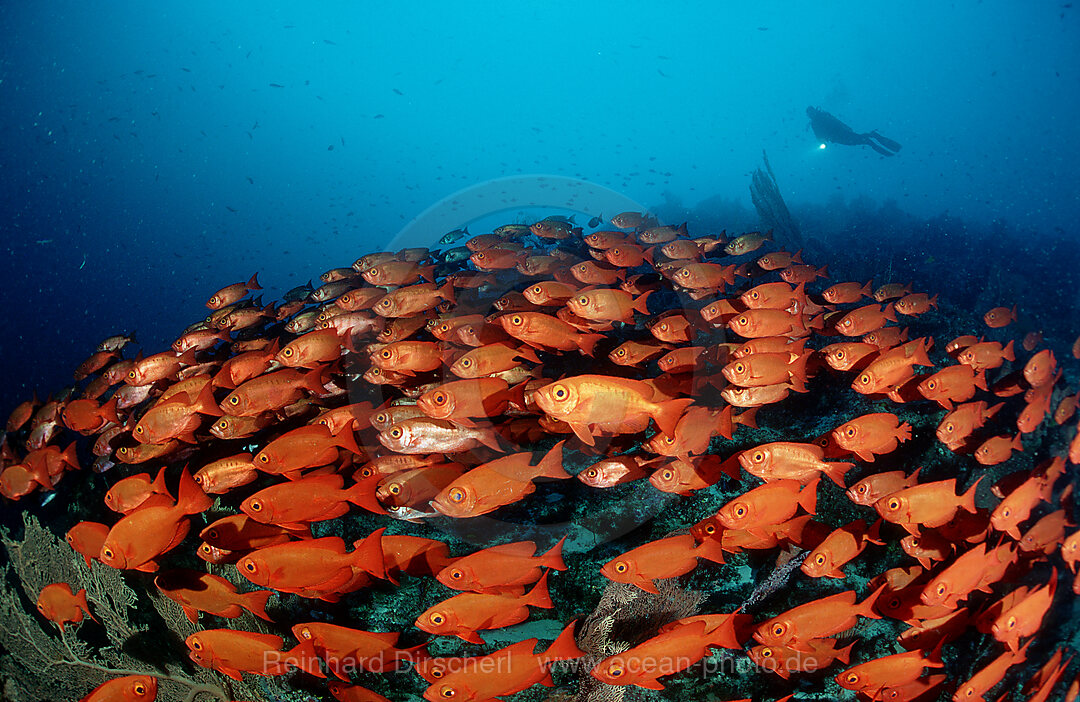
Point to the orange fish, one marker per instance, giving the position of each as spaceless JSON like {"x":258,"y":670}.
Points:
{"x":896,"y":670}
{"x":986,"y":355}
{"x":990,"y":675}
{"x":491,"y":358}
{"x":664,"y":558}
{"x":926,"y":504}
{"x":61,"y":606}
{"x":466,"y":614}
{"x":346,"y":649}
{"x":129,"y":688}
{"x":272,"y":391}
{"x":86,"y":538}
{"x":839,"y":548}
{"x":137,"y":540}
{"x":872,"y":434}
{"x":311,"y":350}
{"x":503,"y":481}
{"x":849,"y":355}
{"x":769,"y":504}
{"x":662,"y":654}
{"x":1025,"y":618}
{"x":784,"y":660}
{"x":1000,"y":317}
{"x":847,"y":293}
{"x":504,"y":672}
{"x":311,"y":499}
{"x":961,"y":423}
{"x":304,"y":447}
{"x":589,"y":402}
{"x":239,"y":532}
{"x":952,"y":384}
{"x":544,"y":331}
{"x":315,"y":568}
{"x":134,"y":491}
{"x":997,"y":449}
{"x":873,"y":487}
{"x":816,"y":620}
{"x":463,"y":400}
{"x":234,"y":652}
{"x":783,"y":460}
{"x":198,"y":592}
{"x":863,"y":320}
{"x":607,"y":305}
{"x":231,"y":294}
{"x":1039,"y":369}
{"x":501,"y":569}
{"x":609,"y":472}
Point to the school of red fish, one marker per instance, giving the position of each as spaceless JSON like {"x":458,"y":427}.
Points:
{"x":445,"y":384}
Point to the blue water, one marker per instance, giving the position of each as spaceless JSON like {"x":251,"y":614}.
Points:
{"x":152,"y":153}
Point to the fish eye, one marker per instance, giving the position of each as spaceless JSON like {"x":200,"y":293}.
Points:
{"x":139,"y":429}
{"x":840,"y":354}
{"x":931,"y":384}
{"x":864,"y":379}
{"x":437,"y":673}
{"x":479,"y":255}
{"x":250,"y":566}
{"x":131,"y":374}
{"x":457,"y":494}
{"x":778,"y":629}
{"x":263,"y":458}
{"x":256,"y":506}
{"x":740,"y":367}
{"x":620,"y":567}
{"x":233,"y":399}
{"x":394,"y":489}
{"x":710,"y":529}
{"x":382,"y":417}
{"x":893,"y":503}
{"x":615,"y":670}
{"x":139,"y":689}
{"x":466,"y":362}
{"x":941,"y":589}
{"x":456,"y":574}
{"x":537,"y":289}
{"x":395,"y":433}
{"x":820,"y":559}
{"x":212,"y":534}
{"x":447,"y":692}
{"x":684,"y":273}
{"x":740,"y":511}
{"x":439,"y":398}
{"x":107,"y":552}
{"x":583,"y":300}
{"x":1011,"y":622}
{"x":1006,"y":512}
{"x":305,"y":633}
{"x":198,"y":479}
{"x":949,"y":426}
{"x":620,"y":352}
{"x":851,"y":678}
{"x":437,"y":618}
{"x":386,"y":353}
{"x":560,"y":393}
{"x":287,"y":353}
{"x":754,"y":295}
{"x":849,"y":432}
{"x":222,"y":424}
{"x":196,"y":644}
{"x":861,"y":488}
{"x":516,"y":320}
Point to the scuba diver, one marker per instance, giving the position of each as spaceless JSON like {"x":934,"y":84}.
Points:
{"x":828,"y":128}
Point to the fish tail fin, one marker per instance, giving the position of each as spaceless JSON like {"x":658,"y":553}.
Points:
{"x":980,"y":379}
{"x":80,"y":599}
{"x":587,"y":343}
{"x":933,"y":301}
{"x":921,"y":357}
{"x":362,"y":494}
{"x":158,"y":485}
{"x":1007,"y":352}
{"x":1017,"y":444}
{"x":667,"y":414}
{"x":797,"y":257}
{"x":304,"y":657}
{"x":808,"y":496}
{"x":253,"y":282}
{"x":368,"y":554}
{"x":427,"y":273}
{"x":710,"y":550}
{"x":866,"y":607}
{"x":205,"y":402}
{"x":993,"y":409}
{"x":538,"y":596}
{"x":564,"y":647}
{"x":890,"y":312}
{"x":725,"y":423}
{"x":312,"y":381}
{"x":108,"y":410}
{"x":553,"y":558}
{"x":347,"y":441}
{"x":446,"y":292}
{"x":190,"y":498}
{"x":551,"y":465}
{"x":868,"y":289}
{"x":837,"y":471}
{"x":528,"y":354}
{"x":641,"y":304}
{"x":844,"y":654}
{"x":967,"y":500}
{"x":797,"y":367}
{"x":903,"y":432}
{"x":71,"y":456}
{"x":748,"y":418}
{"x":255,"y":602}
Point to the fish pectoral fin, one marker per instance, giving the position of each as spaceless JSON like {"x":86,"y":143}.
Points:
{"x":581,"y":431}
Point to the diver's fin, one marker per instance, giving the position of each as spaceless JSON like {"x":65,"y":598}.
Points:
{"x":887,"y":143}
{"x":879,"y":149}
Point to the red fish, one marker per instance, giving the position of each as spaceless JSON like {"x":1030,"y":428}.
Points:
{"x":128,"y":688}
{"x":501,"y":569}
{"x":204,"y":592}
{"x":665,"y":558}
{"x":872,"y":434}
{"x":61,"y":606}
{"x":234,"y":652}
{"x":466,"y":614}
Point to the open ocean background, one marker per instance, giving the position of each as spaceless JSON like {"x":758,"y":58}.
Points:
{"x":152,"y":153}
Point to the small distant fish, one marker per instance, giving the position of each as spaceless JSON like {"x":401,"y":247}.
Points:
{"x":185,"y":70}
{"x":661,"y":73}
{"x":330,"y":148}
{"x":398,"y":92}
{"x":450,"y":237}
{"x":230,"y":209}
{"x":42,"y":242}
{"x":763,"y":29}
{"x":343,"y":141}
{"x":458,"y":253}
{"x":276,"y":85}
{"x":378,"y":116}
{"x":250,"y":180}
{"x":596,"y":222}
{"x":299,"y":293}
{"x":331,"y":43}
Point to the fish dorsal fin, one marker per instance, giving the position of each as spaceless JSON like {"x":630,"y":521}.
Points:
{"x":520,"y":549}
